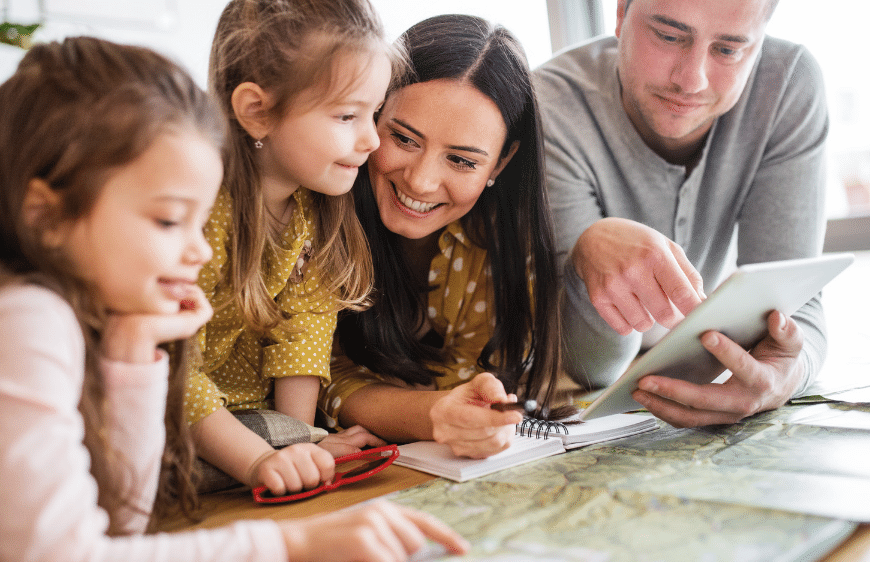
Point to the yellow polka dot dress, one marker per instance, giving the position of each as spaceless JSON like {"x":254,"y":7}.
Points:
{"x":237,"y":368}
{"x":458,"y":311}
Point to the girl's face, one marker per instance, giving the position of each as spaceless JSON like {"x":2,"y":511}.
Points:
{"x":440,"y":143}
{"x":142,"y":244}
{"x":322,"y":144}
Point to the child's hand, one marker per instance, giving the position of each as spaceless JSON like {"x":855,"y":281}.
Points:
{"x":292,"y":469}
{"x":133,"y":338}
{"x":379,"y":531}
{"x":350,"y":441}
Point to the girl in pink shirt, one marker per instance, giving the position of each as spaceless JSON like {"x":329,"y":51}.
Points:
{"x":109,"y":165}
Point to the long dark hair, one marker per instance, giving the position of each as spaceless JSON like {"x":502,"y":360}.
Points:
{"x":510,"y":220}
{"x":72,"y":113}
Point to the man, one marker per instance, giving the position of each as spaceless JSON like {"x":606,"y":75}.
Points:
{"x":688,"y":136}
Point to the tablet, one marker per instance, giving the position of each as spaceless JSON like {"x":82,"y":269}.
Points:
{"x":738,"y":308}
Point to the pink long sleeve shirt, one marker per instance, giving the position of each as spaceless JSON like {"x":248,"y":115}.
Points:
{"x":48,"y":498}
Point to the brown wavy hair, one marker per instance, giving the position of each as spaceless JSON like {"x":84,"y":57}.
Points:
{"x":74,"y":112}
{"x":285,"y":47}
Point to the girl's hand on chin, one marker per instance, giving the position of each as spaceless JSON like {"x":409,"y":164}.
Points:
{"x":133,"y":338}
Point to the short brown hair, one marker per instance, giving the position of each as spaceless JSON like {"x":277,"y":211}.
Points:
{"x":771,"y":7}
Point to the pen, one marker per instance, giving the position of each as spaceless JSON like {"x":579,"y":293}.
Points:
{"x":528,"y":406}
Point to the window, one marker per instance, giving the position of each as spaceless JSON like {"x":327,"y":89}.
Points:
{"x":526,"y":20}
{"x":184,"y":28}
{"x":832,"y":34}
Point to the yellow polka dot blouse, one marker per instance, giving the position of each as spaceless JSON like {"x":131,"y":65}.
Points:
{"x":458,"y":311}
{"x":237,"y":367}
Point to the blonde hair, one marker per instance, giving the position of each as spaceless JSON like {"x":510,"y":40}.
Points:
{"x":286,"y":47}
{"x":74,"y":112}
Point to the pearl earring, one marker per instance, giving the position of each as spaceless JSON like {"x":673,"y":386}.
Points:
{"x":258,"y":144}
{"x":490,"y":182}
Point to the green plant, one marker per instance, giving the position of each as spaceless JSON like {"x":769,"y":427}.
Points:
{"x":17,"y":34}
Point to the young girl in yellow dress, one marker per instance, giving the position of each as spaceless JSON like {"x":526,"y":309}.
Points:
{"x":300,"y":82}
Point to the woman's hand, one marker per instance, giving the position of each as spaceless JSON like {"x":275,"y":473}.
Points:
{"x":292,"y":469}
{"x":133,"y":338}
{"x":463,"y":419}
{"x":376,"y":532}
{"x":350,"y":441}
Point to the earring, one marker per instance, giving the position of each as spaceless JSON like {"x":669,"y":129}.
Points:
{"x":490,"y":182}
{"x":258,"y":144}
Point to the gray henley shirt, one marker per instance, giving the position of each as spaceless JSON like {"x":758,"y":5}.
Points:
{"x":758,"y":189}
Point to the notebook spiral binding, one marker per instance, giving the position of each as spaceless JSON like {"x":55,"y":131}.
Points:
{"x":530,"y":425}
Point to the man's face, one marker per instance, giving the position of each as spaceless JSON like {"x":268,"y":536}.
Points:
{"x":683,"y":63}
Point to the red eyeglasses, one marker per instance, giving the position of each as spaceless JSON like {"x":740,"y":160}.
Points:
{"x":353,"y":468}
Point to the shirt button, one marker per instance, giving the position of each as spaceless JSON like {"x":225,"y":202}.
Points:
{"x":681,"y":222}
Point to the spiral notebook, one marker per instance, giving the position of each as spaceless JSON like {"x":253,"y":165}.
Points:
{"x":438,"y":458}
{"x":535,"y":440}
{"x":576,"y":434}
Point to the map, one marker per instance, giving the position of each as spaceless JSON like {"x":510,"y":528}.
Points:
{"x":766,"y":489}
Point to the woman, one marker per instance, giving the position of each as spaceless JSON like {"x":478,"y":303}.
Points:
{"x":453,"y":204}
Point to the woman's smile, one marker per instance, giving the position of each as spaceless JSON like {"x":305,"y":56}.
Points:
{"x":430,"y":170}
{"x":409,"y":204}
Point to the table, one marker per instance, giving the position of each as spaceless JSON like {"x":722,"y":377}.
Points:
{"x":225,"y":507}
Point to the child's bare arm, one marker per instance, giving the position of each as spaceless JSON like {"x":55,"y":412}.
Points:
{"x":225,"y":442}
{"x":297,"y":397}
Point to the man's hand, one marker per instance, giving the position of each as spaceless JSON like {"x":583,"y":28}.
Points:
{"x":762,"y":380}
{"x":635,"y":276}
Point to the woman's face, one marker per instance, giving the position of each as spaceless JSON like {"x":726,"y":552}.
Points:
{"x":440,"y":143}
